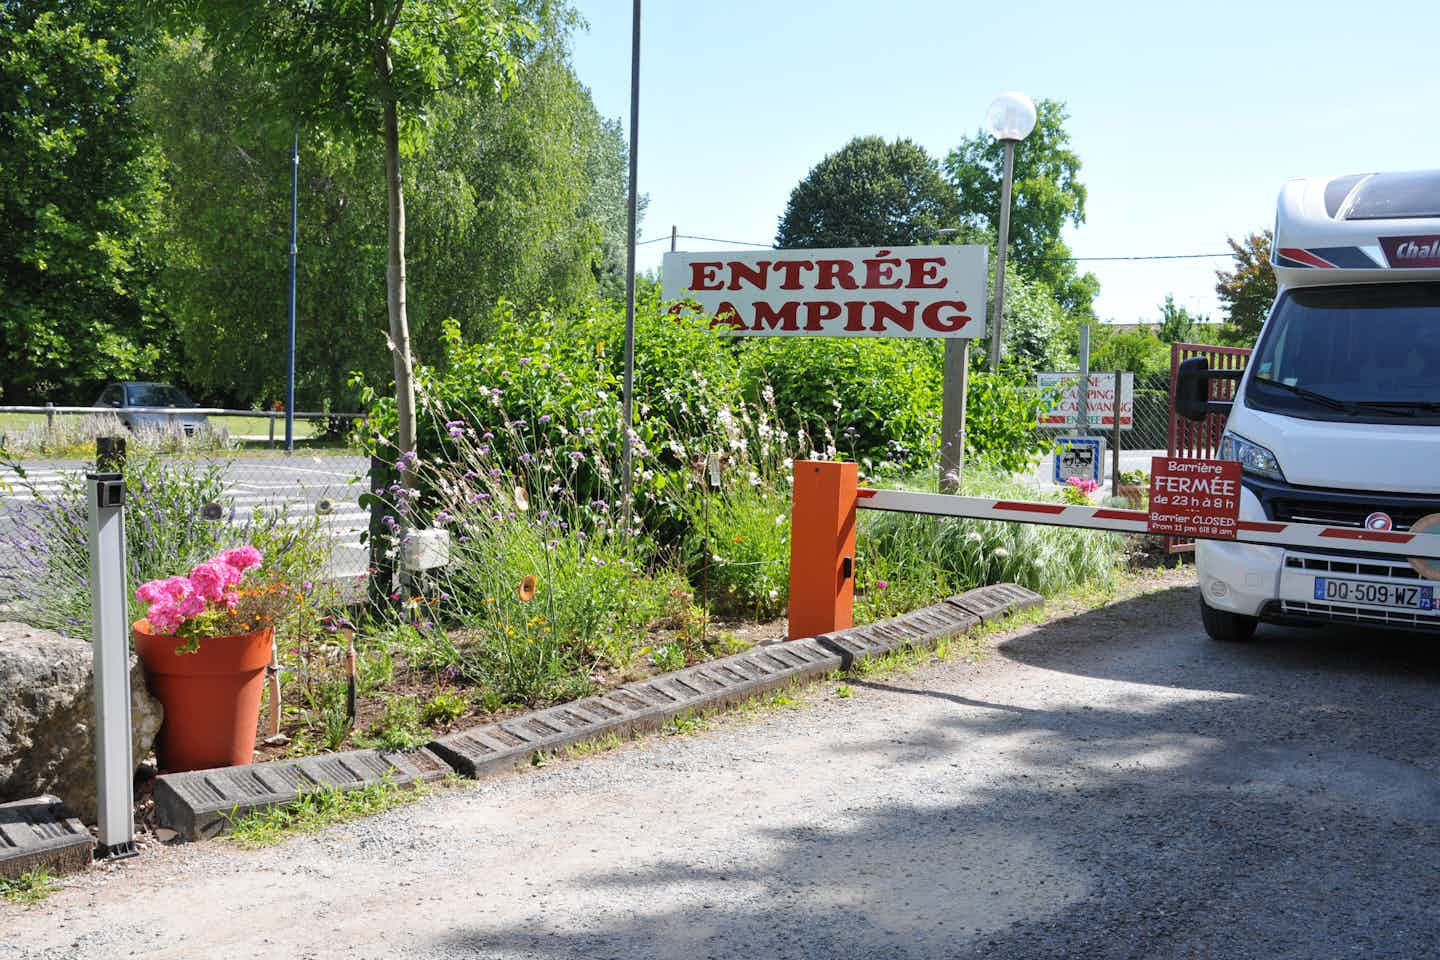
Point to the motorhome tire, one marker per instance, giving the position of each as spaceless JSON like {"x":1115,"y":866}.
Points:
{"x":1227,"y":627}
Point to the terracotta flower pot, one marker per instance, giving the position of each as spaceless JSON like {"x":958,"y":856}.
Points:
{"x":211,"y":697}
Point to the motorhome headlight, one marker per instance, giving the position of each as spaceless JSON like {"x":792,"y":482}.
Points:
{"x":1253,"y":457}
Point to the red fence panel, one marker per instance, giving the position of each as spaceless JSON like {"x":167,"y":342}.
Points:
{"x":1191,"y":439}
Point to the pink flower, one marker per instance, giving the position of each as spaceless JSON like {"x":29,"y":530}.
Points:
{"x":882,"y":584}
{"x":242,"y":558}
{"x":150,"y":592}
{"x":164,"y":617}
{"x":176,"y":588}
{"x":212,"y":577}
{"x":192,"y":606}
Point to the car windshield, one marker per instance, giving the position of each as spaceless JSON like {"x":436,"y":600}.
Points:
{"x":1365,"y":353}
{"x":157,"y":395}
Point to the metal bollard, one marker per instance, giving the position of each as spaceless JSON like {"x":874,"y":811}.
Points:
{"x":114,"y":759}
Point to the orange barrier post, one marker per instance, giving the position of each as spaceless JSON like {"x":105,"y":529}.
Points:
{"x":822,"y":548}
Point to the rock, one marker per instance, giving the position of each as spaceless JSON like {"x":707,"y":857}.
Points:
{"x":47,"y":713}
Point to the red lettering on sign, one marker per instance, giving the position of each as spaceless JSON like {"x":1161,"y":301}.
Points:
{"x":901,"y":316}
{"x":833,"y":272}
{"x":701,"y":276}
{"x":930,"y":316}
{"x":818,"y":311}
{"x":923,"y":269}
{"x":855,"y":316}
{"x":785,"y":316}
{"x":754,"y":275}
{"x":727,"y":316}
{"x":791,"y":269}
{"x":879,"y":272}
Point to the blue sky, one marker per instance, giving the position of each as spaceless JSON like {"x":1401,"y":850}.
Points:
{"x":1187,"y":116}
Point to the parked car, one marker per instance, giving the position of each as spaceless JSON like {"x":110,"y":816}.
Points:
{"x":138,"y":407}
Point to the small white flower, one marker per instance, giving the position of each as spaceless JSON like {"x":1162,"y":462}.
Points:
{"x":780,"y":519}
{"x":774,"y":594}
{"x":1001,"y":553}
{"x":974,"y":536}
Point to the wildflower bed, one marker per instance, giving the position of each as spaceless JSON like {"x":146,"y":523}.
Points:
{"x":553,"y":591}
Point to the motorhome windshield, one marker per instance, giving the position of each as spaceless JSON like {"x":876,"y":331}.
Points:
{"x":1369,"y":354}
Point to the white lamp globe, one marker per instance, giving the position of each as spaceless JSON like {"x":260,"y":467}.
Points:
{"x":1011,"y":116}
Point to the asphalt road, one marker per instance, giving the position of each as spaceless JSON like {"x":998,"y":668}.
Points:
{"x":1108,"y":785}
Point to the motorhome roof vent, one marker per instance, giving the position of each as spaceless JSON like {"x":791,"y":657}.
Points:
{"x":1393,"y":196}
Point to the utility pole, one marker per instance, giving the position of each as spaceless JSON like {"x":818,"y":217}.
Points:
{"x":294,"y":252}
{"x":627,"y":413}
{"x":674,"y":235}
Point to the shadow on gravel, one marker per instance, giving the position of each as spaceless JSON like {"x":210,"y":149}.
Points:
{"x":1158,"y":639}
{"x":1279,"y":800}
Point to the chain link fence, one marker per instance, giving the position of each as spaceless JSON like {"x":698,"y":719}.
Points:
{"x":1147,"y":434}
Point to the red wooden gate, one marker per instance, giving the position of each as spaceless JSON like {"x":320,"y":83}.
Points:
{"x":1187,"y":437}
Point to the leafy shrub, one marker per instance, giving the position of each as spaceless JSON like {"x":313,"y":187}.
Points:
{"x":542,"y":586}
{"x":870,"y":400}
{"x":1002,"y":411}
{"x":739,"y":543}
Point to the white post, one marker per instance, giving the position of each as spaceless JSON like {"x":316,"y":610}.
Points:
{"x":997,"y":329}
{"x":114,"y":759}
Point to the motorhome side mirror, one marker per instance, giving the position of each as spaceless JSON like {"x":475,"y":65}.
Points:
{"x":1192,"y":389}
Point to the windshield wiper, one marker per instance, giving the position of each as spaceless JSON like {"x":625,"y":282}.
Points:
{"x":1411,"y":405}
{"x":1320,"y":398}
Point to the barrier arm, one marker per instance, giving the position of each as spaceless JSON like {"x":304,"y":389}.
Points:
{"x":822,"y":541}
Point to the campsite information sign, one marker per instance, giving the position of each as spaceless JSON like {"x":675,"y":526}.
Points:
{"x":1099,"y":400}
{"x":1193,"y":497}
{"x":936,"y":291}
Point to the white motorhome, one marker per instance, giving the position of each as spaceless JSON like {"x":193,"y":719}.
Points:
{"x":1336,"y":419}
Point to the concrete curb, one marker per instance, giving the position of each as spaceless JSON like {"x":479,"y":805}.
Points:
{"x":41,"y":832}
{"x":201,"y":803}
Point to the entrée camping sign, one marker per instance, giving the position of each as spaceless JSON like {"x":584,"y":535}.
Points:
{"x":934,"y":291}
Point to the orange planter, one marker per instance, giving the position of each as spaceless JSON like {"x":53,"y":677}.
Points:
{"x":211,"y":697}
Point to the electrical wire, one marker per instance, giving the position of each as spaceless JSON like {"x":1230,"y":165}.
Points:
{"x":1156,"y":256}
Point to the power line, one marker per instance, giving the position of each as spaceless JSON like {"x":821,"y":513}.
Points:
{"x":1156,"y":256}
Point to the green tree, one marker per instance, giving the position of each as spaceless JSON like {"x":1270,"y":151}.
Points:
{"x":79,"y":189}
{"x":1247,"y":290}
{"x":869,"y":193}
{"x":1139,"y":351}
{"x":1047,"y":195}
{"x":373,"y":68}
{"x":505,"y":202}
{"x":1177,"y":325}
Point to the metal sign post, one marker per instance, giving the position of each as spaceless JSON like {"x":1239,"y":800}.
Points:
{"x":114,"y":759}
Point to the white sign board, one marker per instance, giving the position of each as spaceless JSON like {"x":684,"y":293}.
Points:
{"x":1099,"y":400}
{"x":1082,"y":457}
{"x":853,"y":292}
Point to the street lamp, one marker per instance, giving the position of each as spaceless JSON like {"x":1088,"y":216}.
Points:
{"x":1011,"y":118}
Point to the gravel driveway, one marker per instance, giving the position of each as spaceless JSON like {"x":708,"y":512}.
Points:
{"x":1108,"y":785}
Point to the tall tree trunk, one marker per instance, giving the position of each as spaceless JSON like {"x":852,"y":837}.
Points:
{"x":395,"y":278}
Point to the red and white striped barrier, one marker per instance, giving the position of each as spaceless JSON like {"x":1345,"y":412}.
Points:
{"x":823,"y":525}
{"x":1417,"y":545}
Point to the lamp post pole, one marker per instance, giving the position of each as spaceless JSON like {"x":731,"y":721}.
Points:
{"x":1006,"y":180}
{"x":1011,"y":118}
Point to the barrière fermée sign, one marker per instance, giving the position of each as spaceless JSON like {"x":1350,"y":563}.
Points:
{"x":934,"y":291}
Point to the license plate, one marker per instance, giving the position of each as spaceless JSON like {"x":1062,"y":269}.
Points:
{"x":1371,"y":594}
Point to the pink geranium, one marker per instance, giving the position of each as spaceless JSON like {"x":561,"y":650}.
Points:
{"x":210,"y":588}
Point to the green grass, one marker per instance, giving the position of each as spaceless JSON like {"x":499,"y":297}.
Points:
{"x":593,"y":747}
{"x":30,"y":887}
{"x":685,"y":724}
{"x":319,"y":809}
